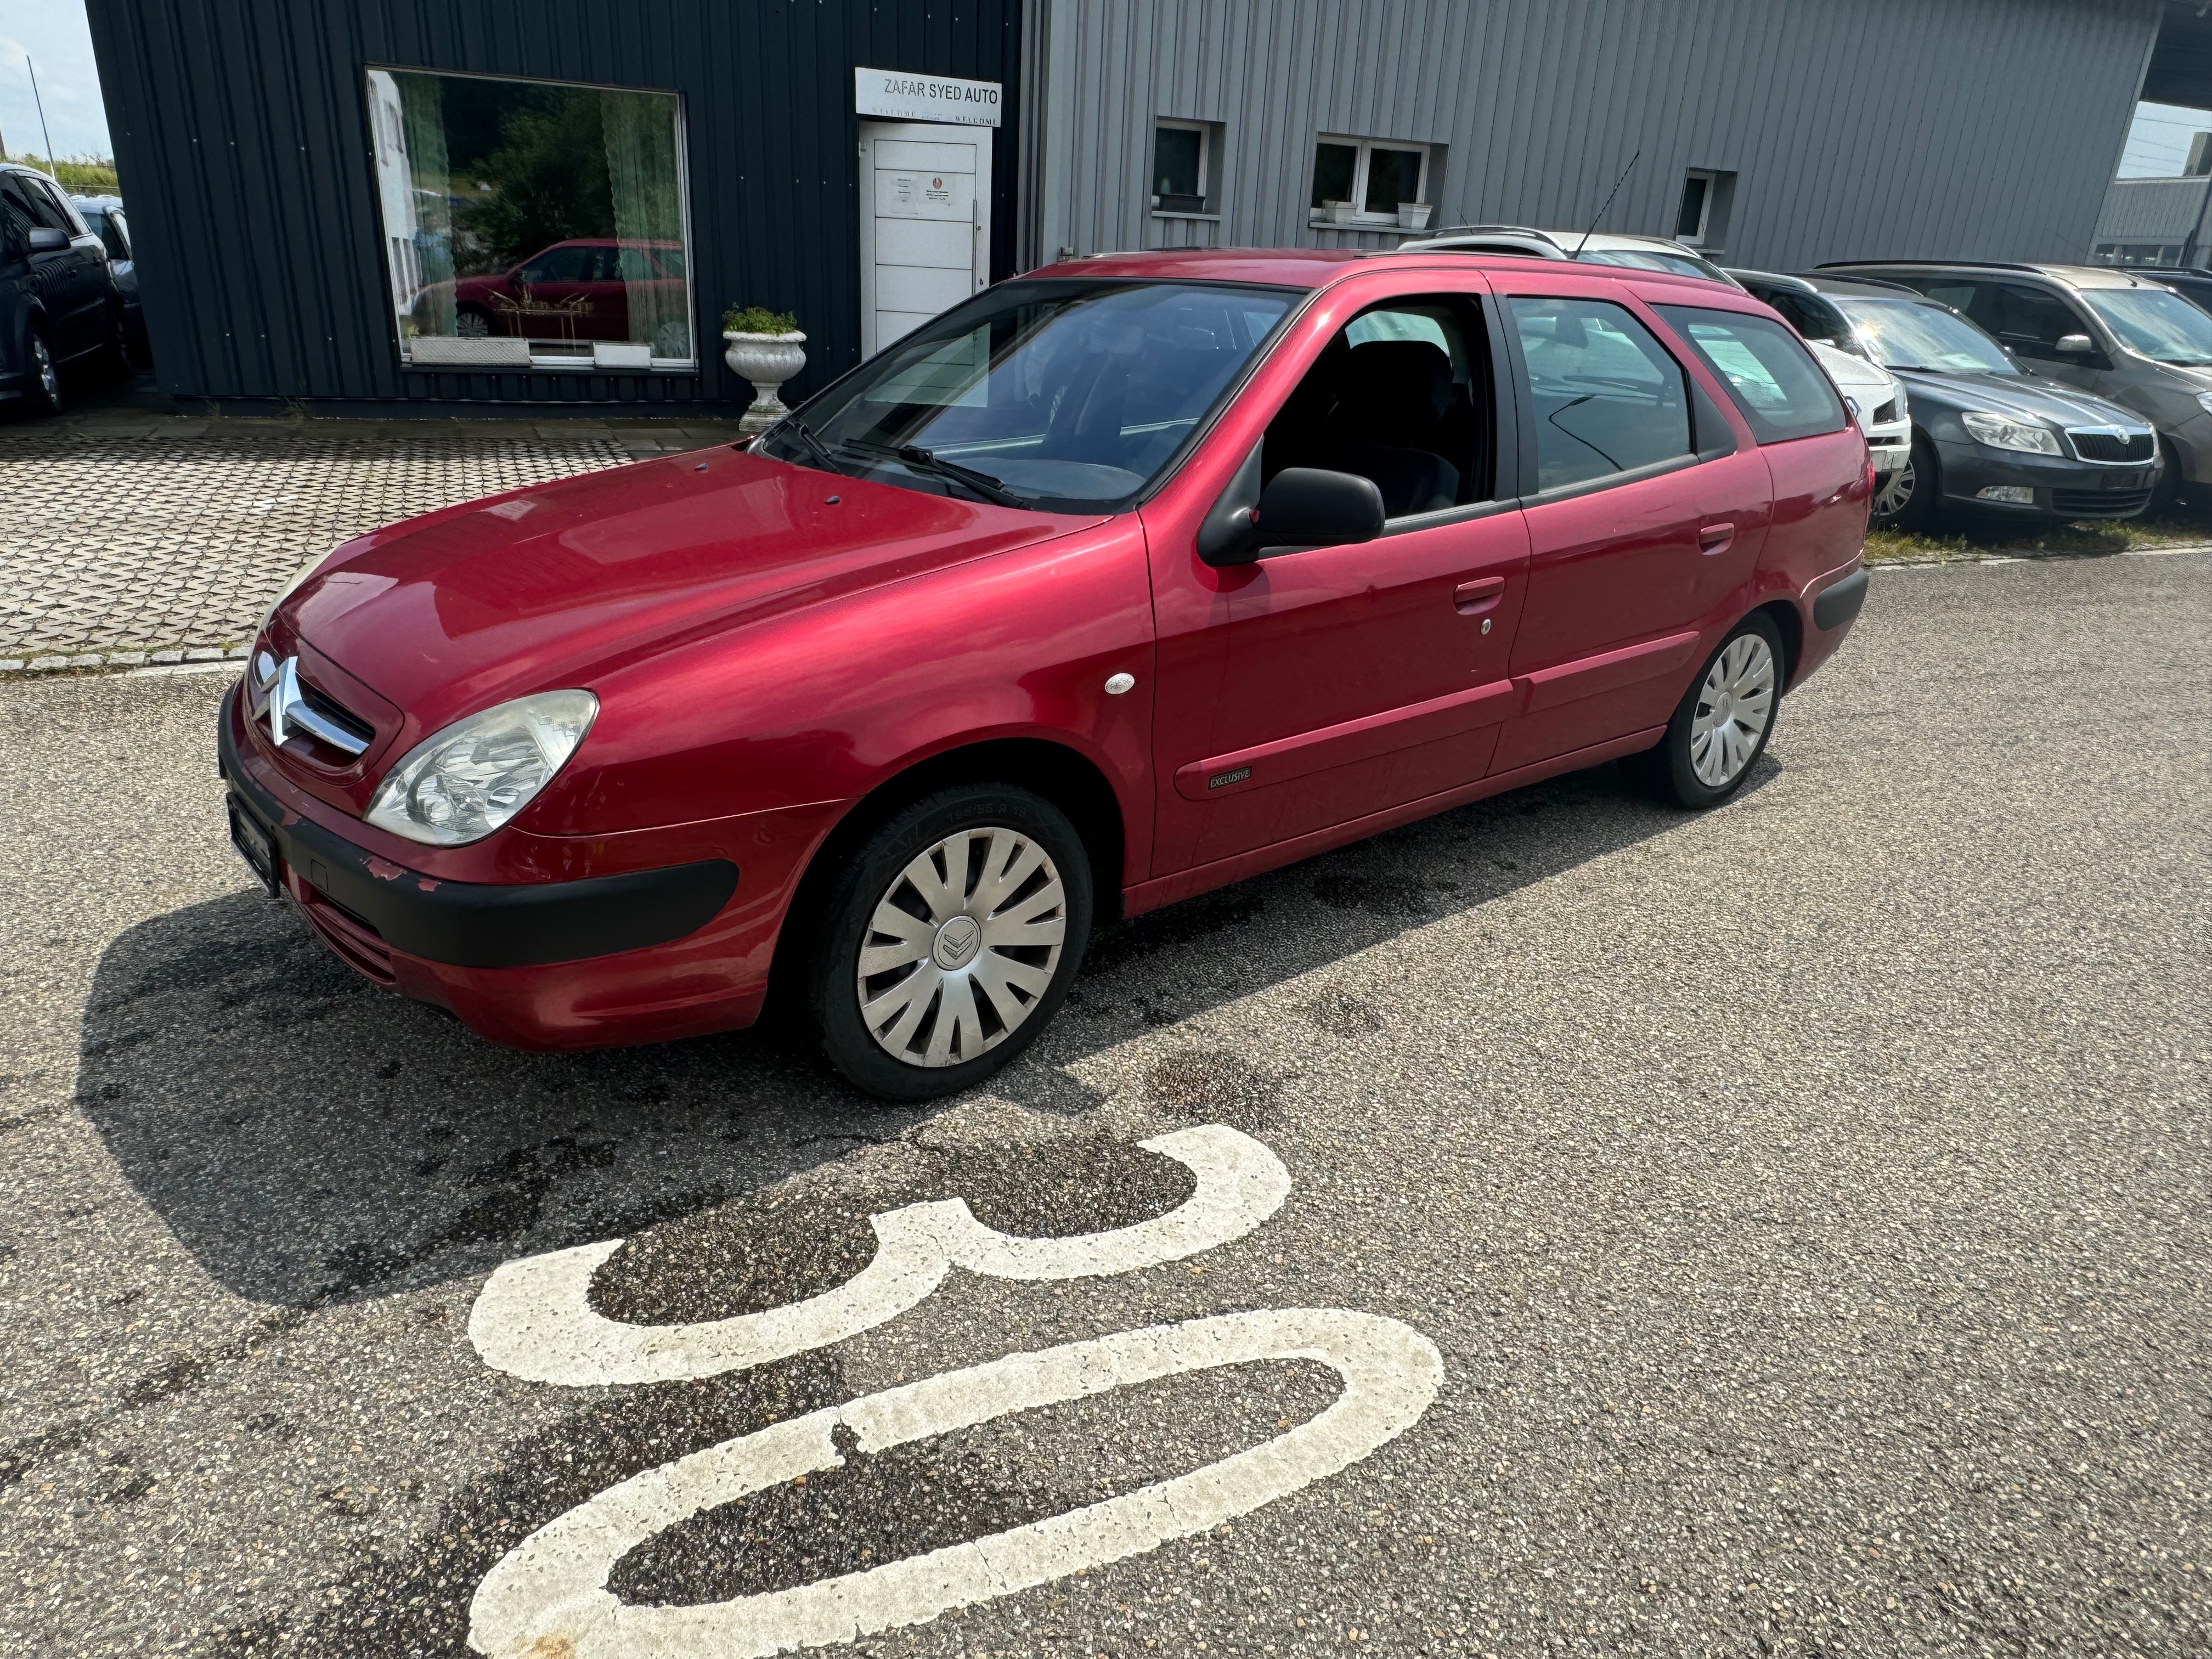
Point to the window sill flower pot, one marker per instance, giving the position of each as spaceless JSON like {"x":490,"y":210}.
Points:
{"x":1338,"y":213}
{"x":1412,"y":215}
{"x":768,"y":360}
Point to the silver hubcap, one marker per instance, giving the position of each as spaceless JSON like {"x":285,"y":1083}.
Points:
{"x":1896,"y":490}
{"x":470,"y":326}
{"x":42,"y":360}
{"x":961,"y":947}
{"x":1734,"y":705}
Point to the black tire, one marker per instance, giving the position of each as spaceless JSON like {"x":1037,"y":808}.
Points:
{"x":42,"y":384}
{"x":1672,"y":768}
{"x":1922,"y":491}
{"x":116,"y":353}
{"x":473,"y":323}
{"x":2166,"y":497}
{"x":875,"y":876}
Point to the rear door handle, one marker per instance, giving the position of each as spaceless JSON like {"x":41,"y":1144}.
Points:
{"x":1483,"y":593}
{"x":1716,"y":537}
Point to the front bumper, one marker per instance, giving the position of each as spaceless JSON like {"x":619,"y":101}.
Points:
{"x":2059,"y":487}
{"x":1891,"y":446}
{"x":637,"y":955}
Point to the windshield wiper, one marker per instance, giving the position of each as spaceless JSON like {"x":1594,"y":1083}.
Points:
{"x":814,"y":448}
{"x":928,"y":461}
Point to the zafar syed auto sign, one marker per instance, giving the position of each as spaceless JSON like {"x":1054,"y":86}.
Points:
{"x":901,"y":96}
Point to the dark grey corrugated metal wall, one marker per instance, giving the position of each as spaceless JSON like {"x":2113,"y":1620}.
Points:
{"x":1969,"y":129}
{"x":240,"y":130}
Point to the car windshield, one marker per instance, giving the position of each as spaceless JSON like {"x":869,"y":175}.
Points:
{"x":1677,"y":265}
{"x":2162,"y":326}
{"x":1070,"y":396}
{"x":1914,"y":334}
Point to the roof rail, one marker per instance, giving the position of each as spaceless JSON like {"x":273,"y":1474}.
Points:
{"x":1970,"y":264}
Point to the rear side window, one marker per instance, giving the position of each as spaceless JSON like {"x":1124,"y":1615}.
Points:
{"x":1608,"y":396}
{"x":1774,"y":379}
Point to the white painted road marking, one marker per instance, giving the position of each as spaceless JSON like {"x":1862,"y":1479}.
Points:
{"x":534,"y":1318}
{"x":549,"y":1596}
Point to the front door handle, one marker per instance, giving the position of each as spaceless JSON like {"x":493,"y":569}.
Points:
{"x":1716,"y":537}
{"x":1483,"y":593}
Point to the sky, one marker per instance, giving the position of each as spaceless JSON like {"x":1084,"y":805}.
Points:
{"x":54,"y":34}
{"x":2158,"y":143}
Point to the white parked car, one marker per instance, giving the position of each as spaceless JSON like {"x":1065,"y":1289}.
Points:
{"x":1876,"y":396}
{"x":1597,"y":248}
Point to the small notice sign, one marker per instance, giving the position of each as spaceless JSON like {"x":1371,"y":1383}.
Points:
{"x":903,"y":96}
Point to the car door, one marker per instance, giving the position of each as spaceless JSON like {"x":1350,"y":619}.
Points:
{"x":554,"y":291}
{"x":2030,"y":322}
{"x":1646,"y":510}
{"x":58,"y":274}
{"x":1314,"y":688}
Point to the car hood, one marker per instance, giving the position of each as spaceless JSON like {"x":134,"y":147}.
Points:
{"x":1846,"y":370}
{"x":2027,"y":397}
{"x":561,"y":584}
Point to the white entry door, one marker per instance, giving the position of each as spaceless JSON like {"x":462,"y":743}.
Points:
{"x":925,"y":224}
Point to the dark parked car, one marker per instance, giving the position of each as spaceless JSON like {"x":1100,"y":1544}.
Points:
{"x":2192,"y":282}
{"x":57,"y":300}
{"x":2125,"y":335}
{"x":104,"y":217}
{"x":1988,"y":437}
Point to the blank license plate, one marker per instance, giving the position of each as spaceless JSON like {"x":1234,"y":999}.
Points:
{"x":253,"y":845}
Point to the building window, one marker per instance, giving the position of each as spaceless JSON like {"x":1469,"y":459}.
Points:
{"x":529,"y":225}
{"x":1184,"y":157}
{"x":1695,"y":213}
{"x":1371,"y":181}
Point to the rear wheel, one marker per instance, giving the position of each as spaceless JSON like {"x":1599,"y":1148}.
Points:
{"x":949,"y":941}
{"x":1905,"y":499}
{"x":42,"y":393}
{"x":1721,"y":727}
{"x":471,"y":323}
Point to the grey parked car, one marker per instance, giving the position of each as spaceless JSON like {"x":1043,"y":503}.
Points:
{"x":2120,"y":334}
{"x":105,"y":217}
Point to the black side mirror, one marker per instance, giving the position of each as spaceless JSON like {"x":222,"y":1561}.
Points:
{"x":1302,"y":506}
{"x":45,"y":239}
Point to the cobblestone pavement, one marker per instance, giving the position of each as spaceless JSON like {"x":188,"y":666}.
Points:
{"x":134,"y":534}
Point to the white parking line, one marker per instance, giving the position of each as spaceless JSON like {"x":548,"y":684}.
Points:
{"x":534,"y":1318}
{"x":548,"y":1599}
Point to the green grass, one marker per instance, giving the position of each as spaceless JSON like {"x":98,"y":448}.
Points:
{"x":78,"y":177}
{"x":2181,"y":526}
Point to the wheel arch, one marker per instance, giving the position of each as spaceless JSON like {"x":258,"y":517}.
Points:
{"x":1063,"y":774}
{"x":1791,"y":627}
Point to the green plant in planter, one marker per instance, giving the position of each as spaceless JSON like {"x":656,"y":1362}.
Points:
{"x":758,"y":320}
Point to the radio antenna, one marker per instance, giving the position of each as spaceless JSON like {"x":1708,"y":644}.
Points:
{"x":1609,"y":195}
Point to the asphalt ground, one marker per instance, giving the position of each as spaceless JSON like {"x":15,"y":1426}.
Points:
{"x":1808,"y":1201}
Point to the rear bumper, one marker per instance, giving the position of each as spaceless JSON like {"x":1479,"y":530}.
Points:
{"x":637,"y":955}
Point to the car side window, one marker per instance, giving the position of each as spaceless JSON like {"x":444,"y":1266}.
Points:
{"x":17,"y":208}
{"x":1773,"y":380}
{"x":1403,"y":396}
{"x":1608,"y":398}
{"x":558,"y":265}
{"x":2029,"y":320}
{"x":46,"y":212}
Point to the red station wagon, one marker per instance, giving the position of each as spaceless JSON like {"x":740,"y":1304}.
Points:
{"x":1120,"y":581}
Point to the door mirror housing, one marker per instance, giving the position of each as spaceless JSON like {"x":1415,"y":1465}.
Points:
{"x":45,"y":239}
{"x":2075,"y":345}
{"x":1312,"y":507}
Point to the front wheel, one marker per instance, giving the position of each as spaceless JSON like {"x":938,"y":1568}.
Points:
{"x":42,"y":395}
{"x":949,"y":941}
{"x":1905,"y":499}
{"x":1721,"y":727}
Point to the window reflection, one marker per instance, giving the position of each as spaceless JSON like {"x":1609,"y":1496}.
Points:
{"x":527,"y":224}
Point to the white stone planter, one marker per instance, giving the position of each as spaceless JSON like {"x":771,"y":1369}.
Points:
{"x":768,"y":360}
{"x":1412,"y":215}
{"x":1338,"y":213}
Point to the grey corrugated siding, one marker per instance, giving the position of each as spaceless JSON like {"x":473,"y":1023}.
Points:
{"x":240,"y":130}
{"x":2152,"y":210}
{"x":1960,"y":129}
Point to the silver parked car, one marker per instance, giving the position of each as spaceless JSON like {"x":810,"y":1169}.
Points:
{"x":1600,"y":248}
{"x":2117,"y":333}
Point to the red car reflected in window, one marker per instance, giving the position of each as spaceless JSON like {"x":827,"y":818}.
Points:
{"x":574,"y":290}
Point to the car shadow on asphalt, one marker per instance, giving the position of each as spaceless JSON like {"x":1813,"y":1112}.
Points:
{"x":310,"y":1138}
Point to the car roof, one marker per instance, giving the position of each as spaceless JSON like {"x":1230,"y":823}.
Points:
{"x":1319,"y":267}
{"x":1862,"y":287}
{"x":2072,"y":276}
{"x":1777,"y":278}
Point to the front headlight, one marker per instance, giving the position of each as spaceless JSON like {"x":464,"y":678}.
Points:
{"x":470,"y":777}
{"x":2204,"y":401}
{"x":1903,"y":404}
{"x":2000,"y":432}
